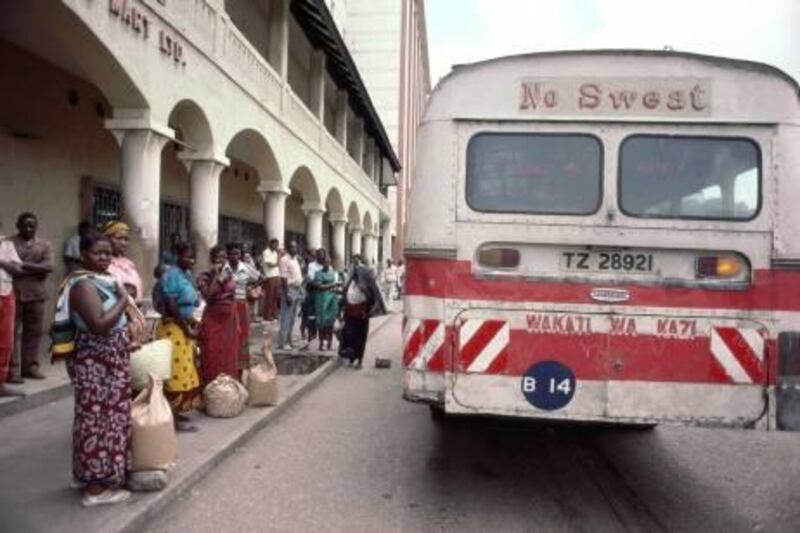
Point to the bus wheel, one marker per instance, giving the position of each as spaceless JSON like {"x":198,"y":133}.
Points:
{"x":438,"y":415}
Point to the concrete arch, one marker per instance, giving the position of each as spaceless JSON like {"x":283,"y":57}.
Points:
{"x":353,"y":216}
{"x":250,"y":147}
{"x":334,"y":205}
{"x":192,"y":129}
{"x":55,"y":32}
{"x":303,"y":181}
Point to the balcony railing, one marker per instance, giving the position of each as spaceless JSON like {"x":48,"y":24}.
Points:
{"x":207,"y":27}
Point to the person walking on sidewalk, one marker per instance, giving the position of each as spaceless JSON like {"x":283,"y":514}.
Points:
{"x":177,"y":301}
{"x":10,"y":264}
{"x":272,"y":281}
{"x":246,"y":277}
{"x":31,"y":293}
{"x":389,"y":281}
{"x":362,"y":301}
{"x":291,"y":294}
{"x":100,"y":373}
{"x":219,"y":335}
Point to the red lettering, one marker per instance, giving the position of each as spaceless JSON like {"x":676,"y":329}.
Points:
{"x":651,"y":99}
{"x":698,"y":98}
{"x":675,"y":101}
{"x":534,"y":322}
{"x":116,"y":6}
{"x":569,"y":325}
{"x":529,"y":96}
{"x":589,"y":96}
{"x":661,"y":326}
{"x":620,"y":98}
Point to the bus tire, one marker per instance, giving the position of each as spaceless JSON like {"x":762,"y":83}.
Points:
{"x":438,"y":415}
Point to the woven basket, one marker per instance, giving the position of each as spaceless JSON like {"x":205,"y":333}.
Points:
{"x":224,"y":397}
{"x":152,"y":358}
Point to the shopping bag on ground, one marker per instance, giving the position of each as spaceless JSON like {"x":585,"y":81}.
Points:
{"x":261,"y":380}
{"x":224,"y":397}
{"x":153,"y":442}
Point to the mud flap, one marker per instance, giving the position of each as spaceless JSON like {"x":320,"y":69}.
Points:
{"x":787,"y":391}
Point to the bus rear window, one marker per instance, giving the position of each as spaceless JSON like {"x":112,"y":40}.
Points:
{"x":534,"y":173}
{"x":689,"y":177}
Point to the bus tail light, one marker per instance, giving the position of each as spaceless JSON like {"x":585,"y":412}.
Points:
{"x":499,"y":258}
{"x":726,"y":266}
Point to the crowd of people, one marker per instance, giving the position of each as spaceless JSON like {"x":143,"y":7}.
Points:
{"x":205,"y":317}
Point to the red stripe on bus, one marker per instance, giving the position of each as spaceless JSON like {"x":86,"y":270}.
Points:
{"x":742,"y":352}
{"x":486,"y":332}
{"x":771,"y":289}
{"x":418,"y":339}
{"x":599,"y":356}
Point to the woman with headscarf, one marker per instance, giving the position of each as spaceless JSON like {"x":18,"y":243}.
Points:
{"x":362,"y":301}
{"x":219,"y":328}
{"x":121,"y":267}
{"x":100,"y":371}
{"x":178,"y":299}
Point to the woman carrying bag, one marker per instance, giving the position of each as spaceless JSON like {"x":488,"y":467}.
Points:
{"x":362,"y":301}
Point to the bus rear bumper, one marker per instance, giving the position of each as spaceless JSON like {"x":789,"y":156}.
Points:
{"x":617,"y":402}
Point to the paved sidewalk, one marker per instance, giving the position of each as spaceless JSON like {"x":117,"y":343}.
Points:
{"x":35,"y":461}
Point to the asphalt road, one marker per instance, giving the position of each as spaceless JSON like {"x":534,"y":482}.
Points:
{"x":352,"y":456}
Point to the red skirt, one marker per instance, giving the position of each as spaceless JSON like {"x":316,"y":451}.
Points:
{"x":219,"y":340}
{"x":244,"y":334}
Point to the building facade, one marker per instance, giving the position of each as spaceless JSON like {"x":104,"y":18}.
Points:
{"x":388,"y":41}
{"x":218,"y":120}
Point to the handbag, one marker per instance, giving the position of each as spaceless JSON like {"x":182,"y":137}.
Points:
{"x":261,"y":380}
{"x":151,"y":358}
{"x":254,"y":293}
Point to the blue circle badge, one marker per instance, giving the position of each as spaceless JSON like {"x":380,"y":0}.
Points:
{"x":548,"y":385}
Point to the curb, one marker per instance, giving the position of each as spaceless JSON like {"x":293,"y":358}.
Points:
{"x":161,"y":500}
{"x":36,"y":399}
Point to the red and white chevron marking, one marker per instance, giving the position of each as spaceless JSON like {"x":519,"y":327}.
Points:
{"x":740,"y":353}
{"x":423,"y":344}
{"x":483,"y":346}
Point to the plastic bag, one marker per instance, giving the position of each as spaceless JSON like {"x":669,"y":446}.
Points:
{"x":153,"y":442}
{"x":261,"y":380}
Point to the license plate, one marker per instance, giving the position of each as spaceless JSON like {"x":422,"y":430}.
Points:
{"x":632,"y":262}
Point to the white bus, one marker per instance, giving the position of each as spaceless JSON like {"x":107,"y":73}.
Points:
{"x":607,"y":236}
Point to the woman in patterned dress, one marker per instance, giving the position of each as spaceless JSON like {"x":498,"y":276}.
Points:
{"x":178,"y":300}
{"x":100,"y":373}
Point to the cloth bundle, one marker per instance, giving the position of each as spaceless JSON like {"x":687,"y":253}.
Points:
{"x":224,"y":397}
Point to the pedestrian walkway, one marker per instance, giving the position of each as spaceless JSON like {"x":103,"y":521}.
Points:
{"x":35,"y":457}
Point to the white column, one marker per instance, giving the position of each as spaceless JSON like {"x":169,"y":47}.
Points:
{"x":359,"y":155}
{"x":140,"y":185}
{"x":369,"y":249}
{"x":279,"y":38}
{"x":355,"y":241}
{"x":204,"y":176}
{"x":341,"y":118}
{"x":318,"y":85}
{"x":386,"y":230}
{"x":275,"y":214}
{"x":339,"y":236}
{"x":314,"y":226}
